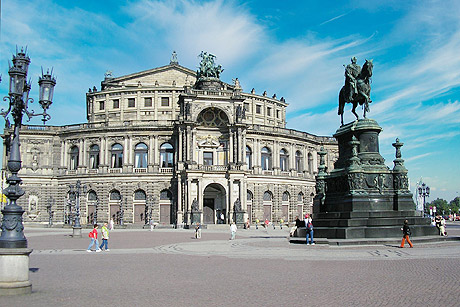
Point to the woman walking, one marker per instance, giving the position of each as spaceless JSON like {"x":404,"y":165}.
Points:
{"x":406,"y":234}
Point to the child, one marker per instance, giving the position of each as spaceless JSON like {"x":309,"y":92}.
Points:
{"x":406,"y":234}
{"x":105,"y":237}
{"x":94,"y":241}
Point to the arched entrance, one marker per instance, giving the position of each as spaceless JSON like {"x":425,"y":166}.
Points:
{"x":214,"y":204}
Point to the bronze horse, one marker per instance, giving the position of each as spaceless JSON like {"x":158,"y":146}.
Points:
{"x":362,"y":94}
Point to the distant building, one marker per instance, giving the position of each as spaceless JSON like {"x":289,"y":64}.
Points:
{"x":159,"y":143}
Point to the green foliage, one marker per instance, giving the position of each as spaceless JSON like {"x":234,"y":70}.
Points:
{"x":442,"y":206}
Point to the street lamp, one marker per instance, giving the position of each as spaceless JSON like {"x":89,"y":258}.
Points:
{"x":49,"y":207}
{"x":95,"y":211}
{"x":77,"y":189}
{"x":14,"y":254}
{"x":18,"y":97}
{"x":122,"y":211}
{"x":424,"y":191}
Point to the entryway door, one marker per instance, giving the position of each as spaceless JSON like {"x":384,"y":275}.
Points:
{"x":208,"y":211}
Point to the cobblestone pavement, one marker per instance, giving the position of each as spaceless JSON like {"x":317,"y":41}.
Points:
{"x":260,"y":267}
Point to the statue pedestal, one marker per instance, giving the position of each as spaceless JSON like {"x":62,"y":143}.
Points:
{"x":76,"y":233}
{"x":196,"y":217}
{"x":239,"y":217}
{"x":363,"y":197}
{"x":14,"y":271}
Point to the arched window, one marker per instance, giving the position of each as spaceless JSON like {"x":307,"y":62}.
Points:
{"x":286,"y":196}
{"x":165,"y":195}
{"x":249,"y":195}
{"x":140,"y":195}
{"x":140,"y":155}
{"x":284,"y":158}
{"x":298,"y":161}
{"x":94,"y":156}
{"x":248,"y":157}
{"x":310,"y":163}
{"x":266,"y":159}
{"x":300,"y":197}
{"x":74,"y":158}
{"x":115,"y":195}
{"x":166,"y":155}
{"x":268,"y":196}
{"x":117,"y":156}
{"x":92,"y":196}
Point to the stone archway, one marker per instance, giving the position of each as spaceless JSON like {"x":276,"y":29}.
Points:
{"x":214,"y":204}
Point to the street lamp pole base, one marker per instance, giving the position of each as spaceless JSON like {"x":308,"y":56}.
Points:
{"x":76,"y":232}
{"x":14,"y":271}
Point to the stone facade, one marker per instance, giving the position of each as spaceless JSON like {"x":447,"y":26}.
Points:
{"x":156,"y":143}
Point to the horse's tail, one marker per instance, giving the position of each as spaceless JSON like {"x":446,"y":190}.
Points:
{"x":341,"y":102}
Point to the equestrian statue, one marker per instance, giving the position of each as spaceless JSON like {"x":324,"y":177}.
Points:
{"x":357,"y":87}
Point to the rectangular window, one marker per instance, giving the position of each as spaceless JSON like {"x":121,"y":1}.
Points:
{"x":165,"y":101}
{"x":101,"y":105}
{"x":131,"y":102}
{"x":277,"y":113}
{"x":246,"y":106}
{"x":207,"y":158}
{"x":147,"y":102}
{"x":269,"y":111}
{"x":258,"y":109}
{"x":116,"y":103}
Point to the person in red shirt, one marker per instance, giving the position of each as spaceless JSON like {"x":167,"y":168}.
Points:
{"x":94,"y":241}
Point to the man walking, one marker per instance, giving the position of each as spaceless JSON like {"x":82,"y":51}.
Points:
{"x":105,"y":237}
{"x":94,"y":241}
{"x":233,"y":230}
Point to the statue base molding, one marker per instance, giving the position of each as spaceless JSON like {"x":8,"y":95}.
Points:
{"x":362,"y":197}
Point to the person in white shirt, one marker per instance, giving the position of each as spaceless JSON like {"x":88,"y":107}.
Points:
{"x":233,"y":230}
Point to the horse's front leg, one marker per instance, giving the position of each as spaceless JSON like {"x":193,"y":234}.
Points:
{"x":355,"y":104}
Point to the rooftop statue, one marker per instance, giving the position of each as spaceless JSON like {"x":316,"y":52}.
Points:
{"x":208,"y":69}
{"x":357,"y":87}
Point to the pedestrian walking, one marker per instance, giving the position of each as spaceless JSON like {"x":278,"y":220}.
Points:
{"x":309,"y":229}
{"x":111,"y":224}
{"x":94,"y":241}
{"x":198,"y":231}
{"x":281,"y":223}
{"x":442,"y":227}
{"x":248,"y":225}
{"x":266,"y":223}
{"x":151,"y":224}
{"x":233,"y":231}
{"x":105,"y":237}
{"x":222,"y":218}
{"x":257,"y":223}
{"x":406,"y":233}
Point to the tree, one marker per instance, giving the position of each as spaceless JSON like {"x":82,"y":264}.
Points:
{"x":455,"y":204}
{"x":442,"y":207}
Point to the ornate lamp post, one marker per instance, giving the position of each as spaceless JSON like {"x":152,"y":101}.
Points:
{"x":95,"y":211}
{"x":122,"y":211}
{"x":77,"y":189}
{"x":14,"y":255}
{"x":49,"y":208}
{"x":18,"y":98}
{"x":424,"y":191}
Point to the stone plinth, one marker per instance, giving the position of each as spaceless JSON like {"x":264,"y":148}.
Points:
{"x":76,"y":233}
{"x":362,"y":197}
{"x":14,"y":271}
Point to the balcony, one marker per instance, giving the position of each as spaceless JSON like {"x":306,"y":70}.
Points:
{"x":114,"y":170}
{"x":140,"y":170}
{"x":166,"y":170}
{"x":93,"y":171}
{"x":213,"y":168}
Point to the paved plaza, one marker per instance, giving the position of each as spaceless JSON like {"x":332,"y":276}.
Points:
{"x":169,"y":267}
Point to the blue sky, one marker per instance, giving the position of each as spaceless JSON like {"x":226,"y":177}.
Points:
{"x":295,"y":49}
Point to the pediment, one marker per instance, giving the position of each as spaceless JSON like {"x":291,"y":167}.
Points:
{"x":170,"y":75}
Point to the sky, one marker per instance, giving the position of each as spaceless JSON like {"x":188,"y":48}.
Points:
{"x":295,"y":49}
